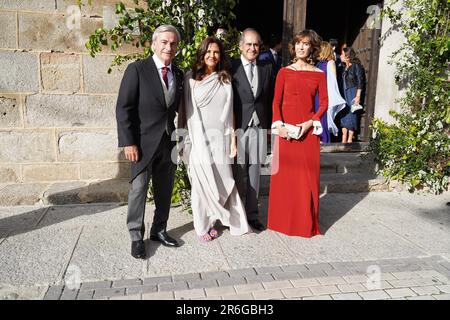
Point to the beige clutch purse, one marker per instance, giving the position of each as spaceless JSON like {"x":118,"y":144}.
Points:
{"x":293,"y":131}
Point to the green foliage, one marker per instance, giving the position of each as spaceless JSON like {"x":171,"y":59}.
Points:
{"x":416,"y":149}
{"x":181,"y":189}
{"x":193,"y":18}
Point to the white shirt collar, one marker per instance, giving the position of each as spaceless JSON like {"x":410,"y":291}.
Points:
{"x":245,"y":62}
{"x":273,"y":51}
{"x":159,"y":64}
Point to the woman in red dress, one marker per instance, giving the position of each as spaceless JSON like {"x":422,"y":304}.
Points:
{"x":295,"y":181}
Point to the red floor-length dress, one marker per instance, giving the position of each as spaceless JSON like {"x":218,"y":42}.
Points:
{"x":295,"y":180}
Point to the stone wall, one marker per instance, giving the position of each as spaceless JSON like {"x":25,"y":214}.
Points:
{"x":387,"y":91}
{"x":57,"y":104}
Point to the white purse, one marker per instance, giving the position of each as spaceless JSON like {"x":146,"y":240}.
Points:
{"x":293,"y":131}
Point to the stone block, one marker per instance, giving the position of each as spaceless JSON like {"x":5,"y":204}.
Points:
{"x":64,"y":193}
{"x":324,"y":290}
{"x":297,"y":292}
{"x":10,"y":111}
{"x":96,"y":285}
{"x":56,"y":32}
{"x":8,"y":30}
{"x":96,"y":78}
{"x":70,"y":111}
{"x":98,"y":145}
{"x":219,"y":291}
{"x":96,"y":7}
{"x":27,"y":145}
{"x":268,"y":295}
{"x":105,"y":170}
{"x":28,"y":5}
{"x":286,"y":284}
{"x":400,"y":293}
{"x":9,"y":173}
{"x":53,"y":293}
{"x":106,"y":191}
{"x":22,"y":194}
{"x":50,"y":172}
{"x":19,"y":72}
{"x":141,"y":290}
{"x":246,"y":288}
{"x":60,"y":72}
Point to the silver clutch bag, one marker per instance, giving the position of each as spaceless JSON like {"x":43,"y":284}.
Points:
{"x":293,"y":131}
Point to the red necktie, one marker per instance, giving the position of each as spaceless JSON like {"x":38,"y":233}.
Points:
{"x":164,"y":72}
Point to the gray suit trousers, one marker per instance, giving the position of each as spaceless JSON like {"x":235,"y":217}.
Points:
{"x":162,"y":171}
{"x":252,"y":149}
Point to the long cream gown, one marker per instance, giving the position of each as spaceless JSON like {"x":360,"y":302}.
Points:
{"x":214,"y":196}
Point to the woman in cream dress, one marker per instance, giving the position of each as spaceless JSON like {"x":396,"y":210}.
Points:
{"x":211,"y":144}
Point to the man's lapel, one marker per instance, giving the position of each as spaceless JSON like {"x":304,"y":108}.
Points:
{"x":151,"y":73}
{"x":178,"y":77}
{"x":261,"y":77}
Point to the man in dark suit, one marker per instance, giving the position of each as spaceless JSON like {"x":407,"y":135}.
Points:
{"x":253,"y":92}
{"x":149,"y":96}
{"x":273,"y":54}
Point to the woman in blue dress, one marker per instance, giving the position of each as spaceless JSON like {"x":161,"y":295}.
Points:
{"x":354,"y":82}
{"x":335,"y":102}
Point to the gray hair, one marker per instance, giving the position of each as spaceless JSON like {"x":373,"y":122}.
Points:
{"x":241,"y":38}
{"x":166,"y":28}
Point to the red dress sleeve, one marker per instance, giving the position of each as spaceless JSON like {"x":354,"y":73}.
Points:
{"x":278,"y":97}
{"x":323,"y":98}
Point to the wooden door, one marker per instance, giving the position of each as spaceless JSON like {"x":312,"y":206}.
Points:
{"x":367,"y":47}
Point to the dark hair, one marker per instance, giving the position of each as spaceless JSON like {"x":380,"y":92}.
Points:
{"x":334,"y":43}
{"x":315,"y":41}
{"x":351,"y":54}
{"x":273,"y":40}
{"x":199,"y":67}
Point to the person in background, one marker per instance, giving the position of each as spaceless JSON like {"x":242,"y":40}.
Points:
{"x":273,"y":54}
{"x":339,"y":65}
{"x":335,"y":101}
{"x":354,"y":81}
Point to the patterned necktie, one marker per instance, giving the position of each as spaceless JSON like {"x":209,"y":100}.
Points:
{"x":164,"y":72}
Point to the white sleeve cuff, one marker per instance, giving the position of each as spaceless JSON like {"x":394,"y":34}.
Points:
{"x":317,"y":128}
{"x":274,"y":125}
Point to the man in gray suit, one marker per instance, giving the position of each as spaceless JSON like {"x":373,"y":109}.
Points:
{"x":253,"y":92}
{"x":149,"y":97}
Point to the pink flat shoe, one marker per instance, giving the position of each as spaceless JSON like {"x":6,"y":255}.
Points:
{"x":213,"y":233}
{"x":205,"y":238}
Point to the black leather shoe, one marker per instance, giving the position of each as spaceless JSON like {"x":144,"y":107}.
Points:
{"x":138,"y":249}
{"x":165,"y":239}
{"x":255,"y":224}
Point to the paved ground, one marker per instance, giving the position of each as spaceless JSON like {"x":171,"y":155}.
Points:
{"x":376,"y":246}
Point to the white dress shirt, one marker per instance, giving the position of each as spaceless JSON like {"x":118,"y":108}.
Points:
{"x":246,"y":65}
{"x":159,"y":65}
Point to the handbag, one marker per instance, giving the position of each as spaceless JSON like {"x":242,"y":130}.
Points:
{"x":294,"y":132}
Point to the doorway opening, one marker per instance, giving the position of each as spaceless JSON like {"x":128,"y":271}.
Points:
{"x":351,"y":23}
{"x":266,"y":18}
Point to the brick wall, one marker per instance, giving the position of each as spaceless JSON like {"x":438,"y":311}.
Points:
{"x":57,"y":104}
